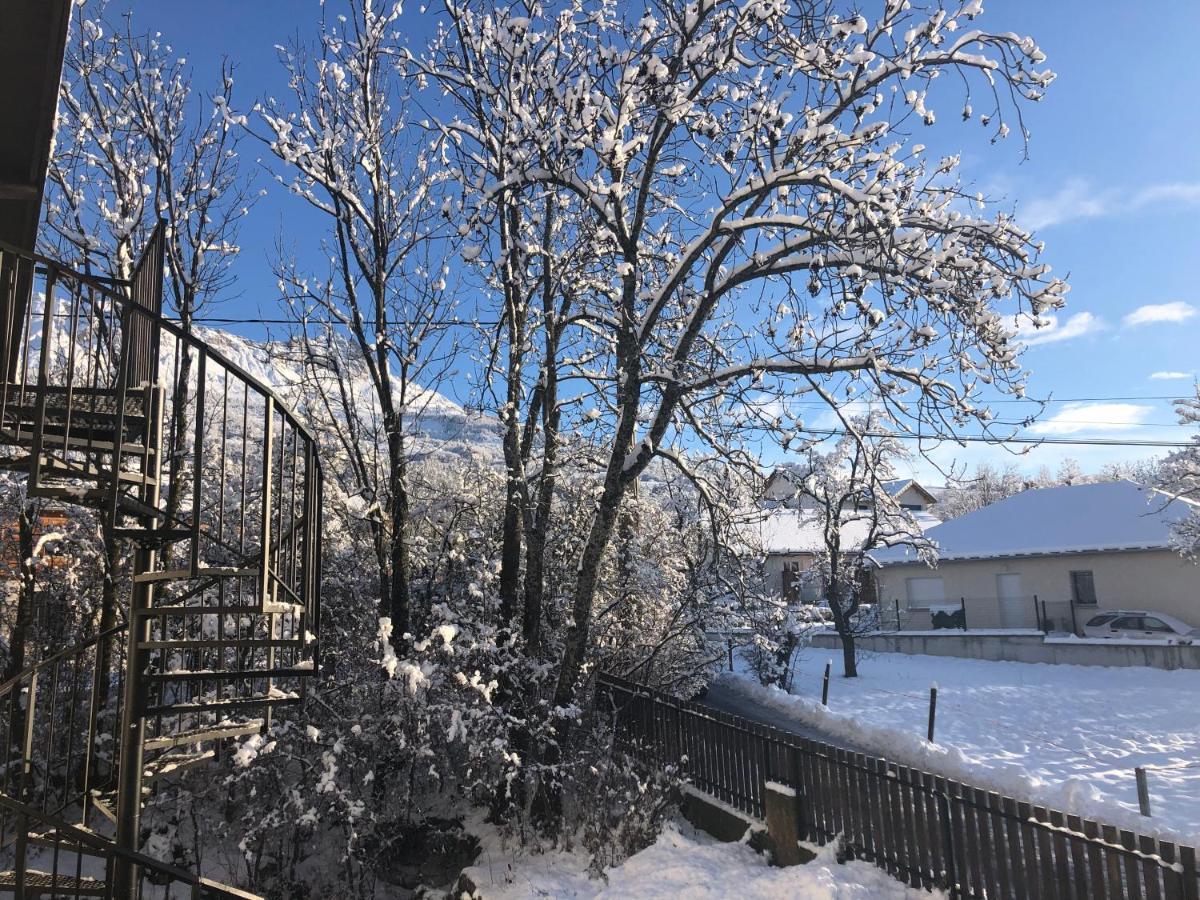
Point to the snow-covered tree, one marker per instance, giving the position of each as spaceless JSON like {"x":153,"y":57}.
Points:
{"x":856,"y":514}
{"x":986,"y":485}
{"x":373,"y":325}
{"x":136,"y":143}
{"x":765,"y":222}
{"x":1178,"y":476}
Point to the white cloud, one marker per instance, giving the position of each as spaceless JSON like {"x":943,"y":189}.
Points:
{"x":1171,"y":376}
{"x":1080,"y":199}
{"x":1073,"y":418}
{"x":1176,"y":311}
{"x":1074,"y":200}
{"x":1050,"y":329}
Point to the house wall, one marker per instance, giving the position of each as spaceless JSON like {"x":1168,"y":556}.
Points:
{"x":1153,"y":579}
{"x":910,"y":496}
{"x":775,"y":565}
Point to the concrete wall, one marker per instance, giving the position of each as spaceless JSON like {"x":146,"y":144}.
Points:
{"x":1024,"y":648}
{"x":1151,"y":579}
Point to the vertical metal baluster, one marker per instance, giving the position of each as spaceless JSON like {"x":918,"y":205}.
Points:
{"x":39,"y":422}
{"x":26,"y":772}
{"x":197,"y":460}
{"x":72,"y":337}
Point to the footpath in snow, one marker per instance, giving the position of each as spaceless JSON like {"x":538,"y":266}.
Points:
{"x":682,"y":863}
{"x":1066,"y":736}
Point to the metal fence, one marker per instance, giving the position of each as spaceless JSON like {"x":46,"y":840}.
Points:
{"x":924,"y":829}
{"x":1028,"y":612}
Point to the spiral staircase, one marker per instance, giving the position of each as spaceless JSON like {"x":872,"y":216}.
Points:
{"x":208,"y":493}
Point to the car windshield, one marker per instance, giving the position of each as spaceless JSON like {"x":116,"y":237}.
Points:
{"x":1100,"y":620}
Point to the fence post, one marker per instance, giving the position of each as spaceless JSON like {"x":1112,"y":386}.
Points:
{"x":897,"y":603}
{"x":932,"y":709}
{"x":1037,"y":615}
{"x":1143,"y":791}
{"x":962,"y":604}
{"x":1045,"y":619}
{"x":825,"y":684}
{"x":729,"y":640}
{"x":1074,"y":623}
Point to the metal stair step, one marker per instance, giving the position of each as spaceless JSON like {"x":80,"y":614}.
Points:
{"x":206,"y":733}
{"x":232,"y":675}
{"x":55,"y":468}
{"x":52,"y":840}
{"x":264,"y":609}
{"x":240,"y":643}
{"x":154,"y":536}
{"x":188,"y":574}
{"x":23,"y":437}
{"x":170,"y":764}
{"x":38,"y":884}
{"x":223,"y":706}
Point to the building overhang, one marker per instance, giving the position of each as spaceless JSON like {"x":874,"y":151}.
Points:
{"x":32,"y":42}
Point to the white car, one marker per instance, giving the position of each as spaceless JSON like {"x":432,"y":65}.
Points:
{"x":1139,"y":624}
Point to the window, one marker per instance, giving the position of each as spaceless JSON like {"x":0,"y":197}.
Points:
{"x":1127,"y":623}
{"x":924,"y":591}
{"x":1083,"y":588}
{"x":1097,"y":621}
{"x":1149,"y":623}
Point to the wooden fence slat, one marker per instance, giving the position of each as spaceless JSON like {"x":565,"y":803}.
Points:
{"x":999,"y":843}
{"x":845,"y":774}
{"x":911,"y":821}
{"x":1187,"y":856}
{"x":1172,"y":880}
{"x":875,"y":825}
{"x":1029,"y":850}
{"x":975,"y":874}
{"x":1050,"y":887}
{"x":1151,"y":869}
{"x":934,"y":830}
{"x":887,"y":842}
{"x":1134,"y":866}
{"x":1114,"y":876}
{"x":1097,"y":862}
{"x":1017,"y":862}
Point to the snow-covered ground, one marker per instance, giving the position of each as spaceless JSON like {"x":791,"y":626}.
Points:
{"x":1067,"y":736}
{"x":681,"y":863}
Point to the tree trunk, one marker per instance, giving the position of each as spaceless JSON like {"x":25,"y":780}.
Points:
{"x":849,"y":662}
{"x":23,"y":623}
{"x":399,"y":595}
{"x":575,"y":648}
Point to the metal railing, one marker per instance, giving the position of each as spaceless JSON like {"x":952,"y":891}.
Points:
{"x":924,"y":829}
{"x":215,"y":484}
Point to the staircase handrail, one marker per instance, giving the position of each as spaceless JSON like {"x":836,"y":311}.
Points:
{"x":104,"y":286}
{"x":202,"y":888}
{"x":74,"y":650}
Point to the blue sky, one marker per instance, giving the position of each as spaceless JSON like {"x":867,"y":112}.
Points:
{"x":1112,"y":184}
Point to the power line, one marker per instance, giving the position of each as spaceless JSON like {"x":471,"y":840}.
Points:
{"x":983,"y":439}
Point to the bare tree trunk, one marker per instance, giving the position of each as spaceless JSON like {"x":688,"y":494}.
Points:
{"x":398,"y":593}
{"x":22,"y":630}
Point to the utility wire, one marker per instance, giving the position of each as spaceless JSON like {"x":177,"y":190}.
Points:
{"x":982,"y":439}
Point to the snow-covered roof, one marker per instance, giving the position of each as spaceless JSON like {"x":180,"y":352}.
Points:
{"x":784,"y":531}
{"x":1080,"y":518}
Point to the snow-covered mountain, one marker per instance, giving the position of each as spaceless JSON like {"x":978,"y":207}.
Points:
{"x":438,"y":425}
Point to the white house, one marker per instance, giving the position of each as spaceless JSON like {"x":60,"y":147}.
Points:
{"x":1049,"y":556}
{"x":790,"y":534}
